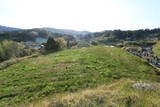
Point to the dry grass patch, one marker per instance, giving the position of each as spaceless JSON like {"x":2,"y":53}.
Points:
{"x":116,"y":94}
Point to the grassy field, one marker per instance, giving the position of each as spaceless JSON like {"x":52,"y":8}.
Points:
{"x":36,"y":78}
{"x":156,"y":49}
{"x":114,"y":94}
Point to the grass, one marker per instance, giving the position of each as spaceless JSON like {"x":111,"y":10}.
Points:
{"x":156,"y":49}
{"x":36,"y":78}
{"x":115,"y":94}
{"x":12,"y":61}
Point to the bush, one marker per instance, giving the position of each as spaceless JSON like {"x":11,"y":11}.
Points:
{"x":11,"y":49}
{"x":55,"y":44}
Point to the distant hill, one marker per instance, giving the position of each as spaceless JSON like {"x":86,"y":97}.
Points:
{"x":104,"y":37}
{"x":32,"y":35}
{"x":66,"y":31}
{"x":7,"y":29}
{"x":18,"y":34}
{"x":114,"y":36}
{"x":54,"y":30}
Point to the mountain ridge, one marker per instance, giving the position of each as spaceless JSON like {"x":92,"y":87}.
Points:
{"x":66,"y":31}
{"x":51,"y":29}
{"x":8,"y":29}
{"x":30,"y":35}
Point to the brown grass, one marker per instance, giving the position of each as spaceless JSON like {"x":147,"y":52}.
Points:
{"x":85,"y":96}
{"x":116,"y":94}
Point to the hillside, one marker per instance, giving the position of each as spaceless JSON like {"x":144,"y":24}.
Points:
{"x":66,"y":31}
{"x":116,"y":36}
{"x":4,"y":29}
{"x":156,"y":49}
{"x":31,"y":35}
{"x":7,"y":29}
{"x":38,"y":77}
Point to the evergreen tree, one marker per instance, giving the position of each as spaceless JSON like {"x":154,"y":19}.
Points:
{"x":52,"y":44}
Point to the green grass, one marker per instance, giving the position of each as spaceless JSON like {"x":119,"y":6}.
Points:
{"x":69,"y":71}
{"x":116,"y":94}
{"x":156,"y":49}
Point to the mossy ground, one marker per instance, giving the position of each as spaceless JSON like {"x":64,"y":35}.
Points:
{"x":69,"y":71}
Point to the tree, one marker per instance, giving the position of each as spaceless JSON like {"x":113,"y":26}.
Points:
{"x":52,"y":44}
{"x":61,"y":42}
{"x":2,"y":54}
{"x":94,"y":43}
{"x":71,"y":43}
{"x":158,"y":36}
{"x":68,"y":44}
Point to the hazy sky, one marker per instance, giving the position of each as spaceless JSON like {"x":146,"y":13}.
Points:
{"x":92,"y":15}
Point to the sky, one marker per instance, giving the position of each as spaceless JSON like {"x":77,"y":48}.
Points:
{"x":91,"y":15}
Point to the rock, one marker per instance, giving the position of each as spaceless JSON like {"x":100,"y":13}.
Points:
{"x":144,"y":86}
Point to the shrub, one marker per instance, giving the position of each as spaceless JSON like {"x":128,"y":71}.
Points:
{"x":62,"y":43}
{"x":11,"y":49}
